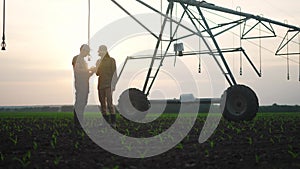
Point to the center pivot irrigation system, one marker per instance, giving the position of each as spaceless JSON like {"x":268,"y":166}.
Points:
{"x":238,"y":102}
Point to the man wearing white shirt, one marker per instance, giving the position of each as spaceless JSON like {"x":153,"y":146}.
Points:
{"x":81,"y":78}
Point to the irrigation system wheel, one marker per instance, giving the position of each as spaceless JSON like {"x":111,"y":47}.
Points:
{"x":239,"y":103}
{"x":133,"y":104}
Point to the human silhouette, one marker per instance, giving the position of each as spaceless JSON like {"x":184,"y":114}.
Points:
{"x":106,"y":70}
{"x":81,"y":79}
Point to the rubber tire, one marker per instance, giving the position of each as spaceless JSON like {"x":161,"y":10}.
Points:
{"x":138,"y":104}
{"x":240,"y":103}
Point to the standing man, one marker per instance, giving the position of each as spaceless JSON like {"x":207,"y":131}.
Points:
{"x":81,"y":74}
{"x":106,"y":70}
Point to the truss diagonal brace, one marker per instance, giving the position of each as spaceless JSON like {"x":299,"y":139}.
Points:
{"x":210,"y":6}
{"x":233,"y":81}
{"x":285,"y":44}
{"x":269,"y":28}
{"x":134,"y":18}
{"x":233,"y":25}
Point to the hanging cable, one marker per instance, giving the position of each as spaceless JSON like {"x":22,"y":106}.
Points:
{"x":89,"y":26}
{"x":249,"y":41}
{"x":161,"y":21}
{"x":199,"y":59}
{"x":199,"y":66}
{"x":230,"y":19}
{"x":3,"y":44}
{"x":176,"y":10}
{"x":260,"y":52}
{"x":239,"y":9}
{"x":233,"y":54}
{"x":299,"y":55}
{"x":287,"y":54}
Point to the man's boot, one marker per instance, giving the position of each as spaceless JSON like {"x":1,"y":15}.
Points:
{"x":76,"y":123}
{"x":113,"y":120}
{"x":106,"y":117}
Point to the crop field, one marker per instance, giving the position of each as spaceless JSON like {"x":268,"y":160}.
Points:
{"x":48,"y":140}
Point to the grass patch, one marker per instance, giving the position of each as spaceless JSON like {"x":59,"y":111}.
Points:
{"x":36,"y":114}
{"x":96,"y":114}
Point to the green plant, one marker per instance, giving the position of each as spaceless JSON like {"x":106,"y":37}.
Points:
{"x":250,"y":141}
{"x":290,"y":151}
{"x":1,"y":156}
{"x":238,"y":131}
{"x":25,"y":160}
{"x":179,"y":146}
{"x":272,"y":141}
{"x":281,"y":128}
{"x":278,"y":138}
{"x":229,"y":136}
{"x":212,"y":144}
{"x":57,"y":159}
{"x":30,"y":131}
{"x":270,"y":130}
{"x":128,"y":146}
{"x":81,"y":134}
{"x":53,"y":141}
{"x":116,"y":167}
{"x":257,"y":158}
{"x":142,"y":154}
{"x":206,"y":153}
{"x":14,"y":140}
{"x":76,"y":145}
{"x":160,"y":138}
{"x":293,"y":154}
{"x":35,"y":145}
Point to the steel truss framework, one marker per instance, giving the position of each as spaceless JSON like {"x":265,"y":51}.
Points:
{"x":189,"y":7}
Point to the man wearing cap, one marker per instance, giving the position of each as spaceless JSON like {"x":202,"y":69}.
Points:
{"x":81,"y":74}
{"x":106,"y":70}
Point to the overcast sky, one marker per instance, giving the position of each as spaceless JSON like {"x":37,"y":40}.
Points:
{"x":43,"y":36}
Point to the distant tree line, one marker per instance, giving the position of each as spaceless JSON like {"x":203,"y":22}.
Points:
{"x":30,"y":109}
{"x":169,"y":108}
{"x":279,"y":108}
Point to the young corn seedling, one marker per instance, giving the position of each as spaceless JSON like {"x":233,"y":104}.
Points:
{"x":14,"y":139}
{"x":76,"y":145}
{"x":281,"y":128}
{"x":278,"y":138}
{"x":292,"y":153}
{"x":272,"y":141}
{"x":257,"y":158}
{"x":35,"y":146}
{"x":229,"y":136}
{"x":270,"y":130}
{"x":1,"y":156}
{"x":212,"y":144}
{"x":206,"y":153}
{"x":238,"y":131}
{"x":57,"y":160}
{"x":179,"y":146}
{"x":82,"y":134}
{"x":143,"y":154}
{"x":116,"y":167}
{"x":53,"y":141}
{"x":127,"y":132}
{"x":129,"y":147}
{"x":250,"y":140}
{"x":25,"y":160}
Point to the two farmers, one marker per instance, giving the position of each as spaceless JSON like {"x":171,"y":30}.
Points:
{"x":106,"y":70}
